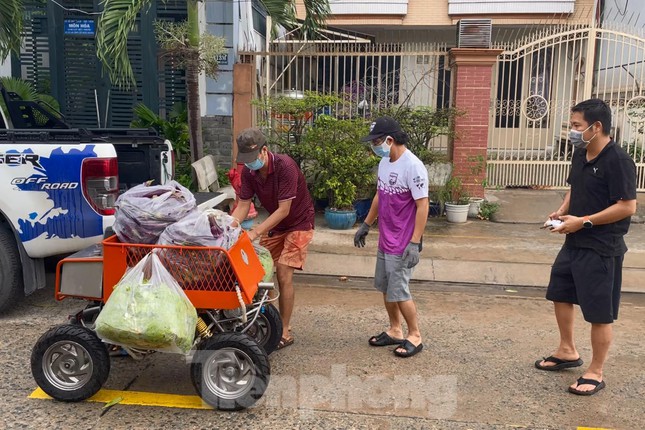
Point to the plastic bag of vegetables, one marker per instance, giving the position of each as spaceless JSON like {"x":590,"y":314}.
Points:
{"x":208,"y":228}
{"x":266,"y":260}
{"x":148,"y":310}
{"x":144,"y":211}
{"x":212,"y":228}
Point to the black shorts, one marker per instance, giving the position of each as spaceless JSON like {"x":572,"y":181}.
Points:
{"x":584,"y":277}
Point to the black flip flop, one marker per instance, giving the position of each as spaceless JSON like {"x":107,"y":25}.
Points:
{"x":384,"y":339}
{"x":582,"y":381}
{"x":410,"y":349}
{"x":559,"y":363}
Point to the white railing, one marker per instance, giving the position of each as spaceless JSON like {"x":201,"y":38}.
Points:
{"x":368,"y":77}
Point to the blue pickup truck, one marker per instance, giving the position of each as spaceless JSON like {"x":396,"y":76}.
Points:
{"x":58,"y":186}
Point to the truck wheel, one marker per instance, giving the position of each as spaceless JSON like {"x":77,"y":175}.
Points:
{"x":109,"y":232}
{"x":267,"y":328}
{"x":230,"y":371}
{"x":11,"y":287}
{"x":70,"y":363}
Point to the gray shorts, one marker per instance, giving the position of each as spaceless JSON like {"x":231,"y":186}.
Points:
{"x":391,"y":278}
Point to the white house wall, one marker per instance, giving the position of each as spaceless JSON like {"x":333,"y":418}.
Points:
{"x":498,"y":7}
{"x":247,"y":39}
{"x":626,"y":12}
{"x":5,"y":67}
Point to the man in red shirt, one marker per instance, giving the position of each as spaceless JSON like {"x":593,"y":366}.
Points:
{"x":280,"y":186}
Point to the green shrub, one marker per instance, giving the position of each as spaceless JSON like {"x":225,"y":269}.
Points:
{"x":422,"y":124}
{"x":340,"y":166}
{"x":487,"y":209}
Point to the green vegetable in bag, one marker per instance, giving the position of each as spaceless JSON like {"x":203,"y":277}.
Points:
{"x":152,"y":314}
{"x":266,"y":260}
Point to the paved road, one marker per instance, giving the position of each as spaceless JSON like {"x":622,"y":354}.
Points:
{"x":475,"y":373}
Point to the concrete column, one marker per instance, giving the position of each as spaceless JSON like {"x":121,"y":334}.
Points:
{"x":472,"y":92}
{"x":243,"y":83}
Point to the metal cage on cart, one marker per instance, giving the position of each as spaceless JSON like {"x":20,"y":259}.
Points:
{"x":209,"y":276}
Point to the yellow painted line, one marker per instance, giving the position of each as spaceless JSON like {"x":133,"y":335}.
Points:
{"x":139,"y":398}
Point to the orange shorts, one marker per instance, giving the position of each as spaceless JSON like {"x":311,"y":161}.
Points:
{"x":289,"y":249}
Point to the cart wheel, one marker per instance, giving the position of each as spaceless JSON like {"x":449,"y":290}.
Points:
{"x":267,"y":328}
{"x":230,"y":371}
{"x":70,"y":363}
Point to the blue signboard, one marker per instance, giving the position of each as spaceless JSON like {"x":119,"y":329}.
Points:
{"x":84,"y":27}
{"x":222,"y":59}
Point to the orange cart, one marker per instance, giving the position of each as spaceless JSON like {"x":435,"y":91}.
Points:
{"x":237,"y":325}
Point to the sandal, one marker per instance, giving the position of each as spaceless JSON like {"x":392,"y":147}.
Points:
{"x":409,"y":349}
{"x":599,"y":385}
{"x":559,"y":363}
{"x":284,"y":342}
{"x":384,"y":339}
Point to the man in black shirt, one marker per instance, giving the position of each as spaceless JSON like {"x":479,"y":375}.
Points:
{"x":595,"y":215}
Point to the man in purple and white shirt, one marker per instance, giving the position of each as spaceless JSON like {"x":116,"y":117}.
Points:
{"x":401,"y":205}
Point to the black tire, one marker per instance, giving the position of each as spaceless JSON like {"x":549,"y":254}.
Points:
{"x":70,"y":363}
{"x":267,"y":328}
{"x":230,"y":371}
{"x":109,"y":232}
{"x":11,"y":286}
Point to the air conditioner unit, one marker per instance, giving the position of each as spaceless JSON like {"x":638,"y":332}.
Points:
{"x":474,"y":33}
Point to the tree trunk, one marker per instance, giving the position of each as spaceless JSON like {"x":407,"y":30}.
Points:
{"x":192,"y":86}
{"x":194,"y":112}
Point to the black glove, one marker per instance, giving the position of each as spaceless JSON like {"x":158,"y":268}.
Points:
{"x":411,"y":255}
{"x":361,"y":233}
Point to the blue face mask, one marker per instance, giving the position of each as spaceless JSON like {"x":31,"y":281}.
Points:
{"x":382,"y":150}
{"x":255,"y":165}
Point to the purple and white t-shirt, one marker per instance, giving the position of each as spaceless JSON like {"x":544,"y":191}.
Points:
{"x":400,"y":183}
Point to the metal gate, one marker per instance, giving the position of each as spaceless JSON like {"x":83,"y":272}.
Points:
{"x":535,"y":84}
{"x":61,"y":61}
{"x":368,"y":77}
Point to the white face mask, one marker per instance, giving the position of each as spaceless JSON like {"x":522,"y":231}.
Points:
{"x":577,"y":140}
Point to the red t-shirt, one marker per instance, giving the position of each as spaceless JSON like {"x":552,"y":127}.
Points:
{"x":284,"y":181}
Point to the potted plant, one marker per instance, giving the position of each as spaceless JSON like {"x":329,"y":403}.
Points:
{"x":434,"y":201}
{"x":340,"y":166}
{"x":455,"y":200}
{"x":288,"y":116}
{"x":487,"y":210}
{"x":477,"y":167}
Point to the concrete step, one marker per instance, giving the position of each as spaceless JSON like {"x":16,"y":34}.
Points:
{"x":478,"y":252}
{"x":513,"y":250}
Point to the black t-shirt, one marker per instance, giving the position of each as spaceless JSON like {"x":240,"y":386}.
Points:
{"x":596,"y":185}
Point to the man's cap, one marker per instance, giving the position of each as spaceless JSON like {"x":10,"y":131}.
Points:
{"x":249,"y":143}
{"x":383,"y":126}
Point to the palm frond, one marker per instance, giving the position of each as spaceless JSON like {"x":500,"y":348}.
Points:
{"x":26,"y":91}
{"x":316,"y":13}
{"x":10,"y":26}
{"x":282,"y":12}
{"x":115,"y":24}
{"x":145,"y":118}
